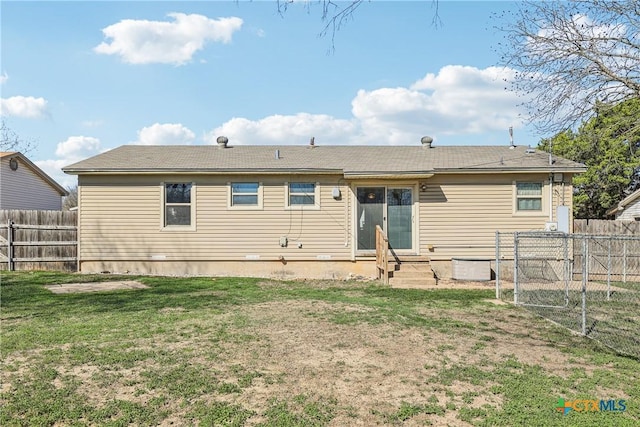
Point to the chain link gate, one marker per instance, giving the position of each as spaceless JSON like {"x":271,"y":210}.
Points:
{"x":589,"y":284}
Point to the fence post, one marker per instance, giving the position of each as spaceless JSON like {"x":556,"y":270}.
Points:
{"x":585,"y":275}
{"x":609,"y":272}
{"x":10,"y":265}
{"x":624,"y":261}
{"x":515,"y":268}
{"x":567,"y":268}
{"x":497,"y":265}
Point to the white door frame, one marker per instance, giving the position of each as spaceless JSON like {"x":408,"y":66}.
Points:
{"x":415,"y":194}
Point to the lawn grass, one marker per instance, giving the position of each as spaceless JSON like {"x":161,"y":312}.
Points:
{"x":245,"y":351}
{"x":611,"y":313}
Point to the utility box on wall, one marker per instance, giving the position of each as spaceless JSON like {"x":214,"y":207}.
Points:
{"x":471,"y":269}
{"x":563,"y":214}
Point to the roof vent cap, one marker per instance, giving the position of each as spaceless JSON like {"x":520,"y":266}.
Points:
{"x":426,"y":141}
{"x":222,"y":141}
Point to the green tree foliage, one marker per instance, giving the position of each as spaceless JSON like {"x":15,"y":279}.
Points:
{"x":609,"y":145}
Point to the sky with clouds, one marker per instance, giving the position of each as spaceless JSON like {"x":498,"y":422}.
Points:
{"x":79,"y":78}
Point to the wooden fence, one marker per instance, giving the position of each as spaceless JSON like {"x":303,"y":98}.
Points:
{"x":615,"y":257}
{"x":606,"y":227}
{"x":38,"y":240}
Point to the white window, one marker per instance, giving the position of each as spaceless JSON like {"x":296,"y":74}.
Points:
{"x":245,"y":195}
{"x":529,"y":197}
{"x":303,"y":195}
{"x":178,"y":205}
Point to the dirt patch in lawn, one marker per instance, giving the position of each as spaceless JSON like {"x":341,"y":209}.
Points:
{"x":371,"y":369}
{"x":69,"y":288}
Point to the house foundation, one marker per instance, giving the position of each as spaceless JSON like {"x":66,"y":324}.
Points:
{"x":282,"y":270}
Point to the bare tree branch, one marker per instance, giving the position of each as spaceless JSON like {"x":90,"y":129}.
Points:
{"x":335,"y":14}
{"x":571,"y":56}
{"x":71,"y":200}
{"x":11,"y":141}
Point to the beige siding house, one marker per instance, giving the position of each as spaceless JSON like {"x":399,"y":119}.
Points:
{"x":628,"y":209}
{"x":307,"y":211}
{"x":23,"y":185}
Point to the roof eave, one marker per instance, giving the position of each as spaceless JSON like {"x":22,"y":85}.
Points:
{"x":388,"y":175}
{"x":156,"y":171}
{"x":42,"y":174}
{"x":629,"y":199}
{"x":612,"y":211}
{"x":349,"y":174}
{"x":513,"y":170}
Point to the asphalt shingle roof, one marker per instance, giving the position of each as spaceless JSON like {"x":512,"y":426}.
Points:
{"x":347,"y":159}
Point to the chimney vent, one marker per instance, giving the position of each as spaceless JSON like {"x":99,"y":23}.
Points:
{"x":222,"y":141}
{"x":426,"y":141}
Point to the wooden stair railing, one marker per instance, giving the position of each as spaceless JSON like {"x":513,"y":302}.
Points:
{"x":382,"y":255}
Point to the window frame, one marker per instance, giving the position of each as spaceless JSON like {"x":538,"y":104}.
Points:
{"x":259,"y":194}
{"x":163,"y":208}
{"x":288,"y":194}
{"x":517,"y":197}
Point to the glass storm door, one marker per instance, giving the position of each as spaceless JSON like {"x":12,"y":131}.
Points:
{"x":391,"y":209}
{"x":400,"y":218}
{"x":370,"y":213}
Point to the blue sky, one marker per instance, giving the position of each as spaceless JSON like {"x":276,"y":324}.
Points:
{"x":80,"y":78}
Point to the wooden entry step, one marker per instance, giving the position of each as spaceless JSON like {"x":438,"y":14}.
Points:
{"x":411,"y":272}
{"x":409,"y":259}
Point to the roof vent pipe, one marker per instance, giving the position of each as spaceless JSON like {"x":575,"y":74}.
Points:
{"x":222,"y":141}
{"x":426,"y":141}
{"x":511,"y":145}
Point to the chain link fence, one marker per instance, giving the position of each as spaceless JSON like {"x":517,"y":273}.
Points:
{"x":587,"y":283}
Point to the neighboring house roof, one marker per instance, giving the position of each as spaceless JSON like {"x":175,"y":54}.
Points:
{"x":23,"y":160}
{"x":624,"y":203}
{"x":349,"y":160}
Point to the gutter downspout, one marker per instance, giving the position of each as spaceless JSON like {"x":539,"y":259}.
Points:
{"x":550,"y":181}
{"x":551,"y":197}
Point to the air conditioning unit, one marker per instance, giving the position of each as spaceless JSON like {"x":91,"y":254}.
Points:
{"x":550,"y":226}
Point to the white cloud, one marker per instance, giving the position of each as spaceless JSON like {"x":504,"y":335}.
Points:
{"x":78,"y":147}
{"x":584,"y":26}
{"x":165,"y":134}
{"x":457,"y":100}
{"x":53,"y":168}
{"x":23,"y":106}
{"x":73,"y":149}
{"x":277,"y":129}
{"x":146,"y":42}
{"x":4,"y":77}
